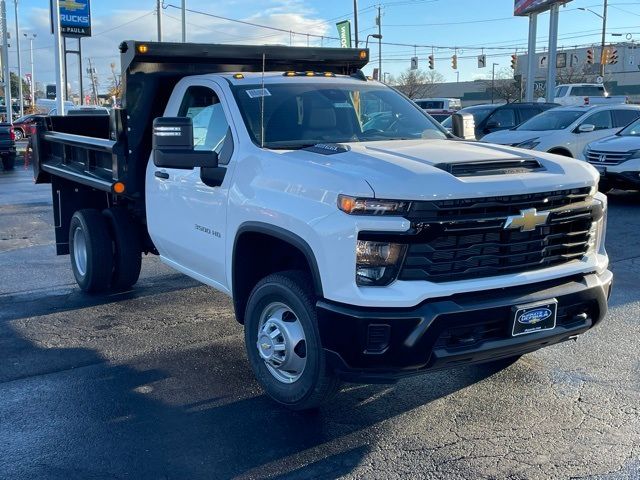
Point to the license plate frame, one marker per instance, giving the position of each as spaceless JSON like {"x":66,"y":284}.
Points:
{"x":534,"y":317}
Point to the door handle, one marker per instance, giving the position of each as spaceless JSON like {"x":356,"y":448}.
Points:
{"x":161,"y":174}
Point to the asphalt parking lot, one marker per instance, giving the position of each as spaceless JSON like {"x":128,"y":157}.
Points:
{"x":154,"y":383}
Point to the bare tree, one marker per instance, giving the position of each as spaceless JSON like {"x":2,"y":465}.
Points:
{"x":418,"y":83}
{"x":505,"y":87}
{"x":581,"y":74}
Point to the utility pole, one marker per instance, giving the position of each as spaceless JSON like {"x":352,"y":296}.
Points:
{"x":159,"y":8}
{"x":184,"y":21}
{"x":379,"y":21}
{"x":5,"y":61}
{"x":355,"y":20}
{"x":493,"y":82}
{"x":15,"y":3}
{"x":604,"y":39}
{"x":92,"y":76}
{"x":55,"y":4}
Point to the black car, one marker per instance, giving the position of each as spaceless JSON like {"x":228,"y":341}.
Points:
{"x":492,"y":118}
{"x":7,"y":146}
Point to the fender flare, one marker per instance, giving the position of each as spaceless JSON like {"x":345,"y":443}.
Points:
{"x":285,"y":236}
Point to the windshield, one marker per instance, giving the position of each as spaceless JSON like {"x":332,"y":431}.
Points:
{"x":303,"y":114}
{"x":631,"y":130}
{"x":479,"y":114}
{"x":551,"y":120}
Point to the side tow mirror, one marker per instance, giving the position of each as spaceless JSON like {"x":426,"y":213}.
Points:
{"x":463,"y":126}
{"x":586,"y":128}
{"x":173,"y":145}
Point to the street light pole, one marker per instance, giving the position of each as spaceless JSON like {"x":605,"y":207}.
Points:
{"x":159,"y":8}
{"x":31,"y":38}
{"x":55,"y":4}
{"x":184,"y":21}
{"x":5,"y":62}
{"x":355,"y":20}
{"x":603,"y":44}
{"x":19,"y":59}
{"x":604,"y":34}
{"x":379,"y":43}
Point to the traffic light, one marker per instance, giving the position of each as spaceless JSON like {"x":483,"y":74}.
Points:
{"x":590,"y":56}
{"x":432,"y":62}
{"x":514,"y":61}
{"x":454,"y":62}
{"x":606,"y":54}
{"x":613,"y":56}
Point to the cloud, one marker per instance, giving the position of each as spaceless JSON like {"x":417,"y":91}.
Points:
{"x":135,"y":24}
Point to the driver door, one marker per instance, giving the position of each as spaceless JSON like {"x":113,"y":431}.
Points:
{"x":188,"y":218}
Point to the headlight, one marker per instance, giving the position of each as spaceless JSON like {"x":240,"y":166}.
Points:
{"x":530,"y":144}
{"x":371,"y":206}
{"x":598,"y":231}
{"x":634,"y":154}
{"x":378,"y":263}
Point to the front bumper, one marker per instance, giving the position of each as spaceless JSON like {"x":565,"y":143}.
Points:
{"x":375,"y":345}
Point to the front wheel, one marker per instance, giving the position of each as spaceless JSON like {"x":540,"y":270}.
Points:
{"x":19,"y":135}
{"x":283,"y":342}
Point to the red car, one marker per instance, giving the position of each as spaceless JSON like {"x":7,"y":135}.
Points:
{"x":24,"y":127}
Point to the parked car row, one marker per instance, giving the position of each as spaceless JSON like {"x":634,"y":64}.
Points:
{"x":606,"y":136}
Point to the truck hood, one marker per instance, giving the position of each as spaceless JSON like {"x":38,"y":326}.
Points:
{"x":515,"y":137}
{"x":406,"y":169}
{"x":616,"y":144}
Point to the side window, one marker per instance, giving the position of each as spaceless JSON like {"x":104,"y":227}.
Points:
{"x":502,"y":118}
{"x":622,"y":118}
{"x":601,"y":120}
{"x":527,"y":113}
{"x":210,"y":125}
{"x":562,"y":91}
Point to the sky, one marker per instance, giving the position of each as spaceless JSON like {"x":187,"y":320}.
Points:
{"x":441,"y":27}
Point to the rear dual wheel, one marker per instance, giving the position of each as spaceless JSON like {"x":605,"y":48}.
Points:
{"x":104,"y":249}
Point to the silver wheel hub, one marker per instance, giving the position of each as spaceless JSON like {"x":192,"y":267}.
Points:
{"x":282,"y":343}
{"x":80,"y":251}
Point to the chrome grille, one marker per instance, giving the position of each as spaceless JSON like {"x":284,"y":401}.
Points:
{"x":473,"y":244}
{"x":599,"y":157}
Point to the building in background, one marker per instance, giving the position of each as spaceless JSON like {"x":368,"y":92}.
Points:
{"x":621,"y":78}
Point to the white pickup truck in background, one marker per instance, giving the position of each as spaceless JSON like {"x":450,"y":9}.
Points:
{"x":585,"y":94}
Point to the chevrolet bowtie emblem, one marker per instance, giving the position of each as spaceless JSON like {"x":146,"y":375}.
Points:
{"x":527,"y":221}
{"x":72,"y":5}
{"x":265,"y":346}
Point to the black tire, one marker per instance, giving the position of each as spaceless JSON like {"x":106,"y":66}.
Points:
{"x":316,"y":384}
{"x":95,"y":274}
{"x":127,"y":251}
{"x":9,"y":163}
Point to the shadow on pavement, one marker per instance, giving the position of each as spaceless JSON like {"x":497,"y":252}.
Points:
{"x":186,"y":414}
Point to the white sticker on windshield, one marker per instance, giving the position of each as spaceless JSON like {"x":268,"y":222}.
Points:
{"x":258,"y":92}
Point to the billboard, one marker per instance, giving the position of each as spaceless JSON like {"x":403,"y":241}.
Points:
{"x":525,"y":7}
{"x":344,"y":32}
{"x":75,"y":18}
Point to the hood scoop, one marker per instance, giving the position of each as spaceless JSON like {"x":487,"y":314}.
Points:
{"x":492,"y":167}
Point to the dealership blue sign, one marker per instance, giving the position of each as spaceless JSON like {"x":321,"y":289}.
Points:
{"x":75,"y":18}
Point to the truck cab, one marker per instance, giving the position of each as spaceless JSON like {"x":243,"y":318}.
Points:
{"x":359,"y":239}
